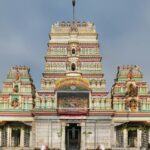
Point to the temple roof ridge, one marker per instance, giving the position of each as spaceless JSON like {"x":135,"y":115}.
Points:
{"x":78,"y":23}
{"x":73,"y":26}
{"x":129,"y":72}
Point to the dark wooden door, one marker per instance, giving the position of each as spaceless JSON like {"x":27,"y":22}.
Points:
{"x":73,"y":137}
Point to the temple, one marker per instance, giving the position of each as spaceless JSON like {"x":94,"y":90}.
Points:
{"x":72,"y":109}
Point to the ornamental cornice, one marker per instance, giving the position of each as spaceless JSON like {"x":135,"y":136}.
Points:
{"x":132,"y":114}
{"x":46,"y":93}
{"x":93,"y":75}
{"x":56,"y":59}
{"x":99,"y":93}
{"x":69,"y":33}
{"x":102,"y":113}
{"x":53,"y":75}
{"x":81,"y":59}
{"x":66,"y":45}
{"x":61,"y":75}
{"x":39,"y":112}
{"x":124,"y":83}
{"x":16,"y":113}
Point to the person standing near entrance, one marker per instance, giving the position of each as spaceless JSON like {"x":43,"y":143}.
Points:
{"x":44,"y":147}
{"x":100,"y":147}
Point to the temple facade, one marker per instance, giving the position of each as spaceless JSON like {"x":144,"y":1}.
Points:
{"x":72,"y":110}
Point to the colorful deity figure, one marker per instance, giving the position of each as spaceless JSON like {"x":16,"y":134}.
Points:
{"x":15,"y":103}
{"x":133,"y":105}
{"x":17,"y":75}
{"x":16,"y":89}
{"x":132,"y":90}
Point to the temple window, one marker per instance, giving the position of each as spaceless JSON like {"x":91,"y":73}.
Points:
{"x":73,"y":67}
{"x":73,"y":51}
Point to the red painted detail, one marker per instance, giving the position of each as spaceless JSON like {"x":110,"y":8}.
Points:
{"x":48,"y":75}
{"x":7,"y":83}
{"x":100,"y":94}
{"x":73,"y":112}
{"x":15,"y":114}
{"x":46,"y":113}
{"x":26,"y":96}
{"x":132,"y":115}
{"x":93,"y":75}
{"x":119,"y":96}
{"x":141,"y":83}
{"x":111,"y":114}
{"x":46,"y":93}
{"x":5,"y":96}
{"x":56,"y":59}
{"x":124,"y":83}
{"x":85,"y":59}
{"x":120,"y":84}
{"x":144,"y":96}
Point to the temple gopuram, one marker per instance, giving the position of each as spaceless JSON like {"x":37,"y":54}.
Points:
{"x":72,"y":109}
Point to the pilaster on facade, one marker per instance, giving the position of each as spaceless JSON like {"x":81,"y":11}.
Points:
{"x":113,"y":136}
{"x":139,"y":138}
{"x":31,"y":138}
{"x":83,"y":136}
{"x":22,"y":137}
{"x":63,"y":138}
{"x":9,"y":132}
{"x":125,"y":138}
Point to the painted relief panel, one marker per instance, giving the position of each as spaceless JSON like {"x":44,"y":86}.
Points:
{"x":72,"y":102}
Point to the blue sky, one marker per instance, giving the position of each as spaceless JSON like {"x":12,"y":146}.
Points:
{"x":123,"y":27}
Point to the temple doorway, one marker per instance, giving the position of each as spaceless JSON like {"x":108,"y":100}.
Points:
{"x":15,"y":134}
{"x":16,"y":137}
{"x":132,"y":138}
{"x":73,"y":136}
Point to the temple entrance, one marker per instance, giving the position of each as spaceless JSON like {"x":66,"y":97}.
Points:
{"x":132,"y":138}
{"x":16,"y":137}
{"x":15,"y":134}
{"x":73,"y":137}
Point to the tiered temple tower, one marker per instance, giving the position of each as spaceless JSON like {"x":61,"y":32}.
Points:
{"x":18,"y":90}
{"x":16,"y":102}
{"x":130,"y":92}
{"x":73,"y":85}
{"x":131,"y":101}
{"x":73,"y":63}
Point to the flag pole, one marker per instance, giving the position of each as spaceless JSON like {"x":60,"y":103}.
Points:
{"x":73,"y":4}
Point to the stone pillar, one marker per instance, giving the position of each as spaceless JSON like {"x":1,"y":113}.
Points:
{"x":9,"y":136}
{"x":139,"y":138}
{"x":30,"y":137}
{"x":149,"y":136}
{"x":22,"y":137}
{"x":113,"y":136}
{"x":125,"y":138}
{"x":83,"y":136}
{"x":33,"y":133}
{"x":63,"y":145}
